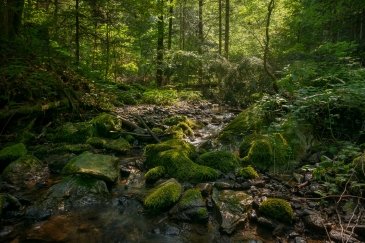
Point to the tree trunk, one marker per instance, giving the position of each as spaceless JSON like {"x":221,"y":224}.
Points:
{"x":160,"y":45}
{"x":267,"y":43}
{"x":226,"y":31}
{"x":77,"y":36}
{"x":107,"y":47}
{"x":220,"y":26}
{"x":171,"y":12}
{"x":201,"y":40}
{"x":11,"y":18}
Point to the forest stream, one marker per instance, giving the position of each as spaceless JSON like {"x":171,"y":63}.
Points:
{"x":120,"y":216}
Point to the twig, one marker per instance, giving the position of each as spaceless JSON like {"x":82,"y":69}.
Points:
{"x":332,"y":196}
{"x":148,"y":129}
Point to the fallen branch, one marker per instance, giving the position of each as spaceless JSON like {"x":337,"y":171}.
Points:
{"x":148,"y":129}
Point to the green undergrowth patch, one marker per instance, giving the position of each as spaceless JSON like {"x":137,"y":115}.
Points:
{"x":168,"y":96}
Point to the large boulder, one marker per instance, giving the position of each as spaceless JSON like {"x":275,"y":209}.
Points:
{"x":104,"y":167}
{"x":163,"y":196}
{"x":175,"y":156}
{"x":25,"y":171}
{"x":224,"y":161}
{"x":76,"y":191}
{"x":233,"y":207}
{"x":11,"y":153}
{"x":191,"y":207}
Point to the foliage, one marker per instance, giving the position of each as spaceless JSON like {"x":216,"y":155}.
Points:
{"x":278,"y":209}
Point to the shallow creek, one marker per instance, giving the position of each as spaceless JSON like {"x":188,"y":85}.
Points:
{"x":122,"y":218}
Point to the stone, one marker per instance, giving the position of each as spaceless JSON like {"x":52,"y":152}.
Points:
{"x":75,"y":191}
{"x":25,"y":172}
{"x":104,"y":167}
{"x":339,"y":236}
{"x":11,"y":153}
{"x":233,"y":207}
{"x":315,"y":222}
{"x":163,"y":196}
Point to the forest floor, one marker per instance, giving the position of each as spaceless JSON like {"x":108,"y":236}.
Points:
{"x":120,"y":217}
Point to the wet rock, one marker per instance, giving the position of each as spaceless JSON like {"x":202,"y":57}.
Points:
{"x":267,"y":223}
{"x":315,"y":222}
{"x":104,"y":167}
{"x":224,"y":185}
{"x":233,"y":207}
{"x":75,"y":191}
{"x":299,"y":239}
{"x":26,"y":171}
{"x":119,"y":145}
{"x":205,"y":188}
{"x":11,"y":153}
{"x":191,"y":207}
{"x":339,"y":236}
{"x":172,"y":230}
{"x":8,"y":203}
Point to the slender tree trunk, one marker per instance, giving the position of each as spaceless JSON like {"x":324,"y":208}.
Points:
{"x":77,"y":36}
{"x":183,"y":24}
{"x":107,"y":47}
{"x":220,"y":26}
{"x":226,"y":31}
{"x":270,"y":9}
{"x":201,"y":40}
{"x":171,"y":12}
{"x":160,"y":44}
{"x":11,"y":12}
{"x":94,"y":45}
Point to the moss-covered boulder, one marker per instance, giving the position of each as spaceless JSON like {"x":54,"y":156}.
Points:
{"x":359,"y":165}
{"x":267,"y":152}
{"x":278,"y":209}
{"x":76,"y":191}
{"x":11,"y":153}
{"x":152,"y":151}
{"x":163,"y":196}
{"x":247,"y":172}
{"x":191,"y":207}
{"x":175,"y":155}
{"x":104,"y":167}
{"x":119,"y":145}
{"x":154,"y":174}
{"x":106,"y":124}
{"x":24,"y":171}
{"x":233,"y":207}
{"x":72,"y":132}
{"x":224,"y":161}
{"x":8,"y":203}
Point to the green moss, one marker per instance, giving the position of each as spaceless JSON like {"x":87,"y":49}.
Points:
{"x":174,"y":120}
{"x":359,"y":165}
{"x":248,"y":121}
{"x":203,"y":213}
{"x":154,"y":174}
{"x":157,"y":131}
{"x":185,"y":128}
{"x":73,"y":148}
{"x":278,"y":209}
{"x":13,"y":152}
{"x":224,"y":161}
{"x":72,"y":133}
{"x":119,"y":145}
{"x":165,"y":195}
{"x":105,"y":124}
{"x":176,"y":132}
{"x":190,"y":197}
{"x":269,"y":152}
{"x":247,"y":172}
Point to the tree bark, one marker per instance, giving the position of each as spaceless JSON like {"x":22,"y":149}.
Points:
{"x":270,"y":9}
{"x":77,"y":36}
{"x":171,"y":12}
{"x":201,"y":40}
{"x":160,"y":44}
{"x":220,"y":26}
{"x":226,"y":31}
{"x":11,"y":18}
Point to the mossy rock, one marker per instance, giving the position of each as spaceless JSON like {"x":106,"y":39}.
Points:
{"x":277,"y":209}
{"x":158,"y":131}
{"x":104,"y":167}
{"x":185,"y":128}
{"x":105,"y":124}
{"x":191,"y":207}
{"x":163,"y":196}
{"x":8,"y":202}
{"x":75,"y":191}
{"x":174,"y":120}
{"x":11,"y":153}
{"x":23,"y":169}
{"x":152,"y":151}
{"x":72,"y":132}
{"x":359,"y":166}
{"x":247,"y":172}
{"x":176,"y":132}
{"x":154,"y":174}
{"x":247,"y":122}
{"x":269,"y":152}
{"x":224,"y":161}
{"x":119,"y":145}
{"x":72,"y":148}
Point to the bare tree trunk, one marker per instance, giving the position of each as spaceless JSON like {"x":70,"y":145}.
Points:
{"x":226,"y":31}
{"x":11,"y":18}
{"x":160,"y":45}
{"x":107,"y":46}
{"x":267,"y":45}
{"x":77,"y":36}
{"x":201,"y":40}
{"x":220,"y":26}
{"x":171,"y":12}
